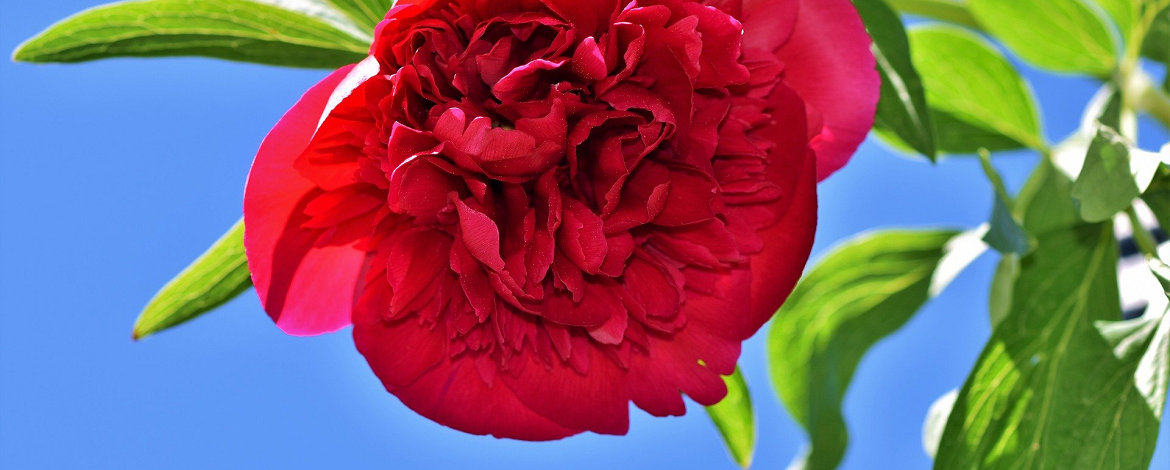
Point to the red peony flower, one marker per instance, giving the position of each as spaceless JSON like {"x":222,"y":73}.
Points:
{"x":536,"y":211}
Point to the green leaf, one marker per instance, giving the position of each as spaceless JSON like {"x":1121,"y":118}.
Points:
{"x":1143,"y":345}
{"x":959,"y":137}
{"x":736,"y":420}
{"x":856,"y":295}
{"x":1156,"y":46}
{"x":902,"y":109}
{"x":1105,"y":186}
{"x":980,"y":101}
{"x":367,"y":13}
{"x":1123,"y":13}
{"x":1157,"y":197}
{"x":1005,"y":234}
{"x":1047,"y":391}
{"x":999,"y":303}
{"x":219,"y":275}
{"x":1058,"y":35}
{"x":936,"y":421}
{"x":238,"y":30}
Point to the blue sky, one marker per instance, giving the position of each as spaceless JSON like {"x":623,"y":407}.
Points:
{"x":115,"y":174}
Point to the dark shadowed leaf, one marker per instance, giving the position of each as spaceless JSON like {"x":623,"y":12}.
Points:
{"x":219,"y":275}
{"x":1157,"y":43}
{"x":1005,"y":234}
{"x":1157,"y":197}
{"x":1047,"y":392}
{"x":1058,"y":35}
{"x":736,"y":419}
{"x":238,"y":30}
{"x":856,"y":295}
{"x":902,"y":110}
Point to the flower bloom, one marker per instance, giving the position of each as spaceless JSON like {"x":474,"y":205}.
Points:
{"x":534,"y":212}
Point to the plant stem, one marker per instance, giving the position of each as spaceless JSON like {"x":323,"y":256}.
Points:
{"x":1149,"y":98}
{"x":946,"y":10}
{"x":1145,"y":241}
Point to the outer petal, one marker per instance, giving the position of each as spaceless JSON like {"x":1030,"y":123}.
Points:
{"x":788,"y":243}
{"x":595,"y":401}
{"x":306,"y":290}
{"x":411,"y":362}
{"x":829,"y":64}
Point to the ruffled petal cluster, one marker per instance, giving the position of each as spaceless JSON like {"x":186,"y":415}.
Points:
{"x":534,"y":212}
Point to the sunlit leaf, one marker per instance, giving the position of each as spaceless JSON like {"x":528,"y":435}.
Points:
{"x":856,"y":295}
{"x":1047,"y":392}
{"x":367,"y":13}
{"x":1058,"y":35}
{"x":219,"y":275}
{"x":1123,"y":13}
{"x":736,"y":419}
{"x":981,"y":101}
{"x":238,"y":30}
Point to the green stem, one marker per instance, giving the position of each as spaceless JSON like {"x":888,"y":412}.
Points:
{"x":1145,"y":241}
{"x":1150,"y":98}
{"x":946,"y":10}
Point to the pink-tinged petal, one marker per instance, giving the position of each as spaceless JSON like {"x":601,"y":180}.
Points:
{"x":829,"y":64}
{"x":588,"y":62}
{"x":307,"y":290}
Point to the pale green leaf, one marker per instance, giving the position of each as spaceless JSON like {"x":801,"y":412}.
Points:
{"x":936,"y":421}
{"x":367,"y":13}
{"x":219,"y":275}
{"x":1123,"y":13}
{"x":736,"y":419}
{"x":856,"y":295}
{"x":980,"y":101}
{"x":238,"y":30}
{"x":1058,"y":35}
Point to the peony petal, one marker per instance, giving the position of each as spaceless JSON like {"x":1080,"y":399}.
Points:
{"x":449,"y":391}
{"x":787,"y":243}
{"x":307,"y":290}
{"x":829,"y":64}
{"x":594,"y":401}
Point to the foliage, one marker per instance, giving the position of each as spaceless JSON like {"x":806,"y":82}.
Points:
{"x":1062,"y":383}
